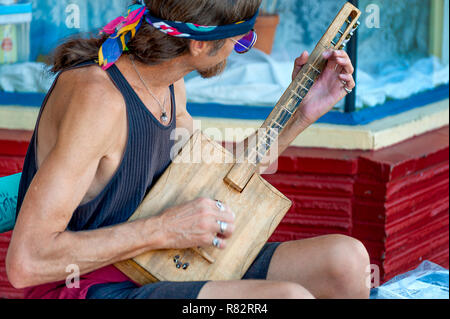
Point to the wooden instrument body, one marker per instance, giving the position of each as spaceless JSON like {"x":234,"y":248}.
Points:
{"x":259,"y":209}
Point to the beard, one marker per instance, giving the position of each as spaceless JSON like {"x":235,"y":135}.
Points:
{"x":213,"y":71}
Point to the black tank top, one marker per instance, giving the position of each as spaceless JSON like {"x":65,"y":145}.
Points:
{"x":146,"y":157}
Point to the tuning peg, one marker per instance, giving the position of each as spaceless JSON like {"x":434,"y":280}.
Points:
{"x":343,"y":45}
{"x":356,"y":26}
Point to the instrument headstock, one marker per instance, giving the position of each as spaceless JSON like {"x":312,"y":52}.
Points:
{"x":343,"y":28}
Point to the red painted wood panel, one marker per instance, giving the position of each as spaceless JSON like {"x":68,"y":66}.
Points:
{"x":398,"y":199}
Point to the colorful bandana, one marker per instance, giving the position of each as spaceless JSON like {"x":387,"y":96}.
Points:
{"x":123,"y":29}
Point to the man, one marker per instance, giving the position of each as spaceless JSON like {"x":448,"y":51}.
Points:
{"x":104,"y":139}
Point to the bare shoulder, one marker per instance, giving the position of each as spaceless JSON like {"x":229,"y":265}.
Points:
{"x":91,"y":106}
{"x":91,"y":84}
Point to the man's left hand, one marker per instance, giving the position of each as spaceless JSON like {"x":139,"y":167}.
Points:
{"x":328,"y":89}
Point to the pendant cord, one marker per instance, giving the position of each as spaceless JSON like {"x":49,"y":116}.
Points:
{"x":164,"y":116}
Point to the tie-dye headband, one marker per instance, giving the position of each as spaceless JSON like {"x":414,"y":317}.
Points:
{"x":123,"y":29}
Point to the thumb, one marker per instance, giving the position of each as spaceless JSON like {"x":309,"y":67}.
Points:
{"x":299,"y":63}
{"x":302,"y":59}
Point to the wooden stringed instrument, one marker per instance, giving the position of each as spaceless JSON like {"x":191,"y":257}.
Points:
{"x":203,"y":168}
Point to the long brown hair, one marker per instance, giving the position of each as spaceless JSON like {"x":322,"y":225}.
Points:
{"x":151,"y":46}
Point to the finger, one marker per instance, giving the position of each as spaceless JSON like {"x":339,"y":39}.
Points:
{"x":227,"y":229}
{"x":339,"y":61}
{"x":346,"y":65}
{"x":342,"y":58}
{"x":349,"y":80}
{"x":226,"y":214}
{"x":341,"y":54}
{"x":218,"y":242}
{"x":331,"y":64}
{"x":328,"y":54}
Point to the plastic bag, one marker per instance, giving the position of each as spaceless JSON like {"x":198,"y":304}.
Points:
{"x":428,"y":281}
{"x":9,"y":189}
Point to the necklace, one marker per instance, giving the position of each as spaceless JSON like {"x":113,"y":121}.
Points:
{"x":164,"y":116}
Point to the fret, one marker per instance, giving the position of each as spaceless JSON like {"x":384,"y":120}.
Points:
{"x":317,"y":71}
{"x":278,"y":124}
{"x":297,"y":95}
{"x":273,"y":133}
{"x":304,"y":88}
{"x":270,"y":137}
{"x":283,"y":117}
{"x":310,"y":82}
{"x":287,"y":110}
{"x":294,"y":102}
{"x":307,"y":76}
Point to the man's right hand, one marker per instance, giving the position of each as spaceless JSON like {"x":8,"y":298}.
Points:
{"x":195,"y":224}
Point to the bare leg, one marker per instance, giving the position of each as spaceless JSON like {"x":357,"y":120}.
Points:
{"x":253,"y":289}
{"x":334,"y":266}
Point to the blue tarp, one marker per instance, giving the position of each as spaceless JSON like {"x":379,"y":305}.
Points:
{"x":428,"y":281}
{"x":9,"y":188}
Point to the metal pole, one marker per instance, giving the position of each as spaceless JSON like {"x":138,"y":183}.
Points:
{"x":352,"y":50}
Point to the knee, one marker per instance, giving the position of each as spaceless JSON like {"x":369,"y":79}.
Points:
{"x":349,"y":262}
{"x":347,"y":254}
{"x":288,"y":290}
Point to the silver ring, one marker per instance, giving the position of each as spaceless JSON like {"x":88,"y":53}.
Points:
{"x":220,"y":206}
{"x":348,"y":90}
{"x":216,"y":242}
{"x":223,"y":226}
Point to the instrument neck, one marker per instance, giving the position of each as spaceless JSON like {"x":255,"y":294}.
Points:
{"x":285,"y":109}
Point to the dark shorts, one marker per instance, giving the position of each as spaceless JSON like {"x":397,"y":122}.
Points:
{"x":177,"y":290}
